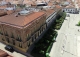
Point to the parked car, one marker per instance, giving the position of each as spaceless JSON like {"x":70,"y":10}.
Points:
{"x":9,"y":48}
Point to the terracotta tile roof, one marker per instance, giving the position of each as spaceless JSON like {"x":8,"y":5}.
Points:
{"x":20,"y":20}
{"x":70,"y":6}
{"x":58,"y":1}
{"x":8,"y":0}
{"x":57,"y":6}
{"x":2,"y":12}
{"x":25,"y":1}
{"x":4,"y":54}
{"x":49,"y":12}
{"x":10,"y":5}
{"x":50,"y":4}
{"x":10,"y":11}
{"x":3,"y":7}
{"x":15,"y":2}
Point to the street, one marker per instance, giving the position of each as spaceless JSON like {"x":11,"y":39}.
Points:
{"x":67,"y":42}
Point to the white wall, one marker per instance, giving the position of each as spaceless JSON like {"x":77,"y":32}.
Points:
{"x":70,"y":10}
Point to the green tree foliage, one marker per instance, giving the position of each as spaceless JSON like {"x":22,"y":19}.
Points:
{"x":78,"y":23}
{"x":43,"y":46}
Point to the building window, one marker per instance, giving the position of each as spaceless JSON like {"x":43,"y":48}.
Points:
{"x":38,"y":33}
{"x":3,"y":39}
{"x":27,"y":36}
{"x":12,"y":36}
{"x":7,"y":39}
{"x":13,"y":42}
{"x":40,"y":30}
{"x":20,"y":45}
{"x":18,"y":38}
{"x":34,"y":29}
{"x":43,"y":28}
{"x":28,"y":44}
{"x":35,"y":35}
{"x":6,"y":34}
{"x":32,"y":32}
{"x":32,"y":39}
{"x":1,"y":33}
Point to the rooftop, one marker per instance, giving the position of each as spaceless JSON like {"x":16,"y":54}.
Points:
{"x":20,"y":20}
{"x":70,"y":6}
{"x":49,"y":12}
{"x":14,"y":19}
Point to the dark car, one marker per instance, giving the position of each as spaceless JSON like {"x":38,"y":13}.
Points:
{"x":9,"y":48}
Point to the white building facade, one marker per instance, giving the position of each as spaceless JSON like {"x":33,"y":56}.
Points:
{"x":70,"y":10}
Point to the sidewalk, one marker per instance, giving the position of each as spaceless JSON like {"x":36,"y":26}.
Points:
{"x":55,"y":51}
{"x":66,"y":44}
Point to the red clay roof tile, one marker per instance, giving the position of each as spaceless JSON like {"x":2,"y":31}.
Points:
{"x":49,"y":12}
{"x":20,"y":20}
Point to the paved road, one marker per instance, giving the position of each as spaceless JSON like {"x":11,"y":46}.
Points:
{"x":68,"y":43}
